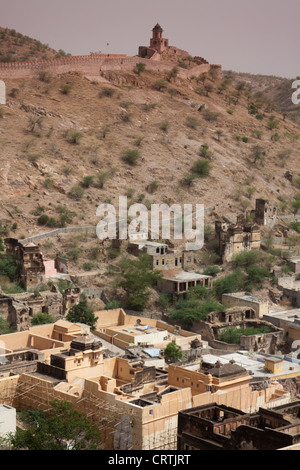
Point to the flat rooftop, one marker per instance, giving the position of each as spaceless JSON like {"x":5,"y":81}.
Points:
{"x":245,"y":296}
{"x":287,"y":315}
{"x":185,"y":276}
{"x":254,"y":363}
{"x":136,"y":330}
{"x":142,"y":243}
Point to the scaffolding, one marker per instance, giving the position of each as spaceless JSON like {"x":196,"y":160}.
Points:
{"x":121,"y":427}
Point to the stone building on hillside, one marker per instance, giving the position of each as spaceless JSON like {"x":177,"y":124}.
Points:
{"x":18,"y":309}
{"x":34,"y":270}
{"x":266,"y":337}
{"x":264,"y":213}
{"x":235,"y":238}
{"x":160,"y":50}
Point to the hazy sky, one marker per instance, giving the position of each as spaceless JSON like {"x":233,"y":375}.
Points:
{"x":257,"y":36}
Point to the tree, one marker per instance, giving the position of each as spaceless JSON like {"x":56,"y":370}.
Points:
{"x":131,"y":156}
{"x":173,"y":73}
{"x":62,"y":428}
{"x":5,"y":327}
{"x":138,"y":277}
{"x":201,"y":168}
{"x":173,"y":351}
{"x":188,"y":311}
{"x":82,"y":313}
{"x":257,"y":153}
{"x":8,"y":266}
{"x":227,"y":284}
{"x":34,"y":122}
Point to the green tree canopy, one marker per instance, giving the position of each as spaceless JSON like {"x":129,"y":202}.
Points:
{"x":82,"y":313}
{"x":62,"y":428}
{"x":173,"y":351}
{"x":138,"y":277}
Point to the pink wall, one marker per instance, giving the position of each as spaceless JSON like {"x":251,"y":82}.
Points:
{"x":50,"y":267}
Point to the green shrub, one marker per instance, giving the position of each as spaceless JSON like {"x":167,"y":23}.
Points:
{"x":232,"y":335}
{"x":87,"y":181}
{"x":201,"y":168}
{"x":152,"y":187}
{"x":192,"y":122}
{"x":210,"y":116}
{"x":139,"y":68}
{"x":74,"y":137}
{"x":189,"y":311}
{"x":106,"y":92}
{"x":131,"y":157}
{"x":43,"y":219}
{"x":272,"y":124}
{"x":65,"y":89}
{"x":188,"y":179}
{"x":88,"y":266}
{"x":76,"y":193}
{"x":246,"y":258}
{"x":211,"y":270}
{"x":160,"y":85}
{"x":42,"y":319}
{"x":113,"y":304}
{"x":164,"y":126}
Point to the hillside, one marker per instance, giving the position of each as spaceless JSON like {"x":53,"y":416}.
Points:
{"x":17,"y":47}
{"x":277,"y":89}
{"x":63,"y":140}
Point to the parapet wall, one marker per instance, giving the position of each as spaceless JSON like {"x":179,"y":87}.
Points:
{"x":94,"y":64}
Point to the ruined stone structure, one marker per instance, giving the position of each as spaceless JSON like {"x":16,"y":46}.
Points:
{"x":18,"y":309}
{"x":294,"y":263}
{"x":290,"y":288}
{"x":219,"y":427}
{"x":264,"y":214}
{"x":245,"y":299}
{"x":240,"y":318}
{"x":235,"y":238}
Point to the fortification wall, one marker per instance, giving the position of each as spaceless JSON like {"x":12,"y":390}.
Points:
{"x":93,"y":65}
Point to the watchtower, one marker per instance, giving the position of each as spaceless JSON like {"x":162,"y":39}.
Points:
{"x":157,"y":41}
